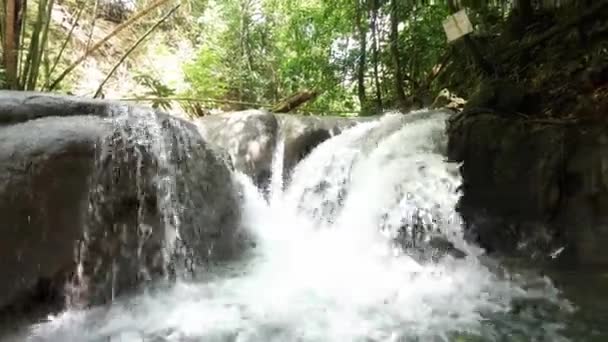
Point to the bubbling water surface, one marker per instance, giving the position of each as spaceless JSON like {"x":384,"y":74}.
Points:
{"x":327,"y":266}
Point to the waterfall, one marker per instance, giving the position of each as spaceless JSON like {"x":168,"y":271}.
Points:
{"x":277,"y":176}
{"x":344,"y":252}
{"x":134,"y":170}
{"x":149,"y":219}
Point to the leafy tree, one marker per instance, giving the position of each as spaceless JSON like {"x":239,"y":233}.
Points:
{"x":31,"y":50}
{"x":265,"y":50}
{"x":360,"y":56}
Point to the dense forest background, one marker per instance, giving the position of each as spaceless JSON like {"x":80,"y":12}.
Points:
{"x":348,"y":57}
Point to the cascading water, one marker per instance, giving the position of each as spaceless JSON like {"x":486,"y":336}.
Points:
{"x":132,"y":165}
{"x":149,"y":218}
{"x":337,"y":259}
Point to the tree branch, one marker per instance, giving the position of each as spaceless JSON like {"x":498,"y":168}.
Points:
{"x":133,"y":47}
{"x":592,"y":12}
{"x":100,"y":43}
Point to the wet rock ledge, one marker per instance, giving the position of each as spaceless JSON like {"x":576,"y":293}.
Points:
{"x":84,"y":211}
{"x":85,"y":214}
{"x":534,"y":189}
{"x":251,"y":137}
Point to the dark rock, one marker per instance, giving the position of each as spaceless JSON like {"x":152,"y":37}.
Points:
{"x":444,"y":247}
{"x":20,"y":106}
{"x":111,"y":203}
{"x":499,"y":95}
{"x":530,"y":189}
{"x":44,"y":170}
{"x":433,"y":248}
{"x":162,"y":205}
{"x":116,"y":11}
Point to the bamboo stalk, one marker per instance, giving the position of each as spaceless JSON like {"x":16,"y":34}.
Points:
{"x":100,"y":43}
{"x":46,"y":21}
{"x":20,"y":56}
{"x":133,"y":47}
{"x":90,"y":38}
{"x":10,"y":50}
{"x":33,"y":47}
{"x":65,"y":43}
{"x":2,"y":22}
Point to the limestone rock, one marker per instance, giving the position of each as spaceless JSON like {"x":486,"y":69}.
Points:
{"x":250,"y":138}
{"x":107,"y":195}
{"x":302,"y":134}
{"x":19,"y":106}
{"x":44,"y":170}
{"x":448,"y":100}
{"x":162,"y":205}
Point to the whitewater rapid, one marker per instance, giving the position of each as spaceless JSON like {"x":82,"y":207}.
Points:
{"x":329,"y":263}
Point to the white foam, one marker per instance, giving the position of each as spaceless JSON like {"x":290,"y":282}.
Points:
{"x":334,"y":279}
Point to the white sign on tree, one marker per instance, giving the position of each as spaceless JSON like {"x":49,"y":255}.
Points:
{"x":457,"y":25}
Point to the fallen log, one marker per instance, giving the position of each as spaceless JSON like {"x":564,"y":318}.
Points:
{"x":294,"y":101}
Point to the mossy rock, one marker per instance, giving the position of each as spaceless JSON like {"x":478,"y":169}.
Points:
{"x":499,"y":95}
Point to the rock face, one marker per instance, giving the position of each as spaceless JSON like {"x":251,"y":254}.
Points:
{"x":107,"y":196}
{"x":531,"y":189}
{"x":44,"y":166}
{"x":20,"y":107}
{"x":301,"y":134}
{"x":250,"y":137}
{"x":162,"y":204}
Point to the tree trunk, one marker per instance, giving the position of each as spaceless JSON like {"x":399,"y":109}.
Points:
{"x":362,"y":53}
{"x":374,"y":25}
{"x":399,"y":89}
{"x":526,"y":11}
{"x":20,"y":12}
{"x":11,"y":41}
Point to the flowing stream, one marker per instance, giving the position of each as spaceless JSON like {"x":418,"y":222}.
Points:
{"x":363,"y":244}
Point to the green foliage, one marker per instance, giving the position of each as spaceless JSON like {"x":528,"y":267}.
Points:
{"x":207,"y":74}
{"x":3,"y":83}
{"x":262,"y":51}
{"x":42,"y":46}
{"x":265,"y":50}
{"x":211,"y":70}
{"x":423,"y":40}
{"x":155,"y":89}
{"x":27,"y":56}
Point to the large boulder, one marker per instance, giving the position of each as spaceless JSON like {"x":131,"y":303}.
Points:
{"x":44,"y":169}
{"x":19,"y":106}
{"x":161,"y":205}
{"x":532,"y":188}
{"x":301,"y":134}
{"x":250,"y":138}
{"x":106,"y":197}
